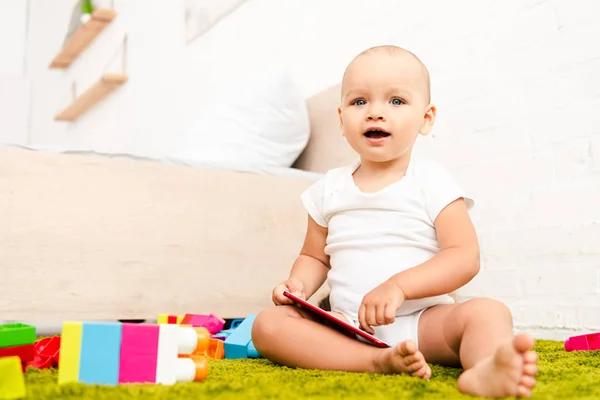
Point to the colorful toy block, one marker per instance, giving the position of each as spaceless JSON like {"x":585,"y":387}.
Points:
{"x":590,"y":341}
{"x":112,"y":353}
{"x":25,"y":352}
{"x":16,"y":334}
{"x":239,"y":343}
{"x":169,"y":319}
{"x":100,"y":353}
{"x":12,"y":381}
{"x":211,"y":322}
{"x":139,"y":353}
{"x":216,"y":349}
{"x":46,"y":355}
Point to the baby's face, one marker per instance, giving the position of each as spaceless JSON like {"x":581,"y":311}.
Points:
{"x":385,"y":104}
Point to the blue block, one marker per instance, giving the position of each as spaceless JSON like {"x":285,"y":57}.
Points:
{"x":252,"y":352}
{"x":235,"y":323}
{"x":100,"y":353}
{"x":236,"y":345}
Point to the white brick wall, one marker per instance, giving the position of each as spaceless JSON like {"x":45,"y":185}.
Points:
{"x":521,"y":130}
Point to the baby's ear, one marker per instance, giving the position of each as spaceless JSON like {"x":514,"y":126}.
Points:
{"x":428,"y":120}
{"x":339,"y":109}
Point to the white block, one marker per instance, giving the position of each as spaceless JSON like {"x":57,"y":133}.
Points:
{"x":185,"y":370}
{"x":166,"y":365}
{"x":187,"y":340}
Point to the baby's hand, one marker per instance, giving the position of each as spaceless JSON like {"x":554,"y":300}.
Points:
{"x":293,"y":286}
{"x":379,"y":306}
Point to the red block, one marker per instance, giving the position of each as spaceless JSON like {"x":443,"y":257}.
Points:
{"x":25,"y":352}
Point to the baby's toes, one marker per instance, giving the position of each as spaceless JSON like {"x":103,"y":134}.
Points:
{"x":530,"y":369}
{"x":413,"y":358}
{"x":407,"y":348}
{"x":522,"y":391}
{"x":423,"y":372}
{"x":527,"y":382}
{"x":530,"y":357}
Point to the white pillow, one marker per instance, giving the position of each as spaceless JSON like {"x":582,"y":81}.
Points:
{"x":256,"y":121}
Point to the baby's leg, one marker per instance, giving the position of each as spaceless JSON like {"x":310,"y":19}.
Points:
{"x":478,"y":335}
{"x":289,"y":336}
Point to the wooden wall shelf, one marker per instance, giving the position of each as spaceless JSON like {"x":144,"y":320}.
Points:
{"x":83,"y":37}
{"x":91,"y":96}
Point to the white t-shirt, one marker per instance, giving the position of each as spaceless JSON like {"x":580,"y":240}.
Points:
{"x":372,"y":236}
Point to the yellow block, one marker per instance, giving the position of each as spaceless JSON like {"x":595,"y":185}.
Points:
{"x":164,"y":318}
{"x":70,"y":350}
{"x":12,"y":382}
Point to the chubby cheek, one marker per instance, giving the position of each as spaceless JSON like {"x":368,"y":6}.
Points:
{"x":351,"y":123}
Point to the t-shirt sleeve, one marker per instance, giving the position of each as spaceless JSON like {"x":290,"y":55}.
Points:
{"x":440,"y":189}
{"x":312,"y":198}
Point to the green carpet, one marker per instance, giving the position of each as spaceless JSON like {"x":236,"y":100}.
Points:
{"x":562,"y":376}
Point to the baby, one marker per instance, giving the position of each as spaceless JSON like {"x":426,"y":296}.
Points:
{"x":392,"y":236}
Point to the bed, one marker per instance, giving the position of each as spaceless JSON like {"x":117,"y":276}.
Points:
{"x":87,"y":236}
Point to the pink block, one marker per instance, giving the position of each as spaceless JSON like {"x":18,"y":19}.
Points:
{"x":139,"y":353}
{"x":211,"y":322}
{"x":590,"y":341}
{"x":214,"y":324}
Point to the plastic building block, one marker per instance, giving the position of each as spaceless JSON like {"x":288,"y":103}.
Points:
{"x":211,"y":322}
{"x":139,"y":350}
{"x":216,"y":349}
{"x":237,"y":344}
{"x":70,"y":350}
{"x":100,"y":353}
{"x":12,"y":381}
{"x":167,"y":354}
{"x":252,"y":352}
{"x":222,"y":335}
{"x":16,"y":334}
{"x":181,"y":354}
{"x":25,"y":352}
{"x":235,"y":323}
{"x":111,"y":353}
{"x":169,"y":319}
{"x":590,"y":341}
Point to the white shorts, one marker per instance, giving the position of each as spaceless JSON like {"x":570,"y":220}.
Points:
{"x":403,"y":328}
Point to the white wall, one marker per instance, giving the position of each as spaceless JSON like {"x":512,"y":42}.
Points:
{"x":14,"y":82}
{"x":515,"y":82}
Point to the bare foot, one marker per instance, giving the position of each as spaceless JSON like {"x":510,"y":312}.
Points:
{"x":403,"y":359}
{"x":509,"y":372}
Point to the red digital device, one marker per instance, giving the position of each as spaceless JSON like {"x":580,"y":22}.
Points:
{"x":340,"y":323}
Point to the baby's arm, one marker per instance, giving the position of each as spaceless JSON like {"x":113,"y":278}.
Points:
{"x":456,"y":263}
{"x":311,"y":267}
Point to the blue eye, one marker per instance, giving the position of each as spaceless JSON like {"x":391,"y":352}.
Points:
{"x":397,"y":102}
{"x":359,"y":102}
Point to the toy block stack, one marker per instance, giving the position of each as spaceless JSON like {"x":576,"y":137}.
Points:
{"x":211,"y":322}
{"x":111,"y":353}
{"x":18,"y":340}
{"x":239,"y":341}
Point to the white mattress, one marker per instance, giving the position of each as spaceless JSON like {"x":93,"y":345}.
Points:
{"x":260,"y":170}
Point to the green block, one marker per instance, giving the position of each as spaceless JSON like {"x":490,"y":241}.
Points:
{"x":12,"y":381}
{"x":16,"y":334}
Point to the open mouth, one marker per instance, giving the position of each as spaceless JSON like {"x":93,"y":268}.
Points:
{"x":376,"y":134}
